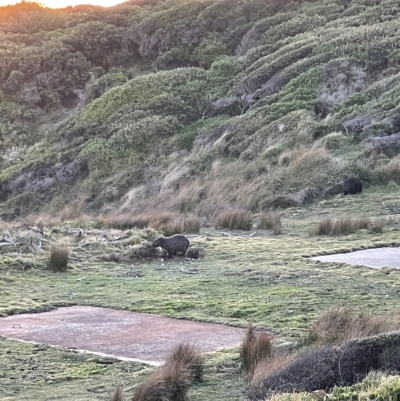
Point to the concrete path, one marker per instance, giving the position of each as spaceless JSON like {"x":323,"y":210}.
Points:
{"x":128,"y":335}
{"x":376,"y":258}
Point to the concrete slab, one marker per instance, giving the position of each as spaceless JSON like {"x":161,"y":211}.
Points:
{"x":375,"y":258}
{"x":128,"y":335}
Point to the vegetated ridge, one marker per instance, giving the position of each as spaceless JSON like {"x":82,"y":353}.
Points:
{"x":196,"y":106}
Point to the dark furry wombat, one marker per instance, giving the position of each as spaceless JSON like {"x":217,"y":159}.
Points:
{"x":352,"y":186}
{"x":174,"y":244}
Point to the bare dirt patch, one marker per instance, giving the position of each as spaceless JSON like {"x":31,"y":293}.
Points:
{"x":375,"y":258}
{"x":139,"y":336}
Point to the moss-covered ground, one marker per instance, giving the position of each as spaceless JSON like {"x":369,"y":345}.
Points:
{"x":263,"y":278}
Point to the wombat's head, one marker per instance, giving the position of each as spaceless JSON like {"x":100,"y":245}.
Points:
{"x":157,"y":242}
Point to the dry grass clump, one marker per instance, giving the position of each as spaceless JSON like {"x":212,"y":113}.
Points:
{"x":111,"y":257}
{"x":168,"y":223}
{"x":303,"y":165}
{"x":187,"y":354}
{"x":270,"y":365}
{"x":57,"y":260}
{"x":378,"y":224}
{"x":255,"y":348}
{"x":271,"y":220}
{"x":73,"y":210}
{"x":324,"y":227}
{"x":362,"y":223}
{"x":329,"y":366}
{"x":234,"y":220}
{"x":183,"y":224}
{"x":389,"y":172}
{"x":342,"y":226}
{"x":118,"y":395}
{"x":342,"y":323}
{"x":167,"y":383}
{"x":171,"y":381}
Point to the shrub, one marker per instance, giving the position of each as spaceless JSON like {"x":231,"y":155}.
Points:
{"x":313,"y":371}
{"x":255,"y":348}
{"x":328,"y":366}
{"x":208,"y":51}
{"x":58,"y":258}
{"x":188,"y":134}
{"x":377,"y":385}
{"x":175,"y":88}
{"x":341,"y":77}
{"x":234,"y":220}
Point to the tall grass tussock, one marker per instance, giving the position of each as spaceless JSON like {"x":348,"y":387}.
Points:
{"x":234,"y":220}
{"x":342,"y":323}
{"x":118,"y":394}
{"x":186,"y":353}
{"x":167,"y":222}
{"x":271,"y":220}
{"x":270,"y":365}
{"x":342,"y":226}
{"x":378,"y":224}
{"x":171,"y":381}
{"x":57,"y":260}
{"x":255,"y":348}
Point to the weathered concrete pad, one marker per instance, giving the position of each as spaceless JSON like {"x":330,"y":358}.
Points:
{"x":376,"y":258}
{"x":139,"y":336}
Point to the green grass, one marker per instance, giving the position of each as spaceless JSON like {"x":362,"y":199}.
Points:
{"x":33,"y":372}
{"x":265,"y":279}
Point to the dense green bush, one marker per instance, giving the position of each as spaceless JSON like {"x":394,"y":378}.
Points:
{"x":85,"y":83}
{"x":189,"y":133}
{"x":208,"y":51}
{"x":151,"y":91}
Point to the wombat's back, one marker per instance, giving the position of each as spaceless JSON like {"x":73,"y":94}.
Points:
{"x":175,"y":243}
{"x":352,"y":186}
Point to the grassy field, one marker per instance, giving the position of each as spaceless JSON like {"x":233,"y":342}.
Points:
{"x":263,"y":278}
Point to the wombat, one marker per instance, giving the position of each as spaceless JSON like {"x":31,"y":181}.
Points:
{"x":352,"y":186}
{"x":173,"y":245}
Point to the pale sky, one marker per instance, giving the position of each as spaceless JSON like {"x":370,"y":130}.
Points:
{"x":66,"y":3}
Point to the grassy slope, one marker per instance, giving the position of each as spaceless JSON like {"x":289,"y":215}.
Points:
{"x":330,"y":58}
{"x":281,"y":145}
{"x":264,"y":279}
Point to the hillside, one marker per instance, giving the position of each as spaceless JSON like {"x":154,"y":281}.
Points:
{"x":119,"y":124}
{"x":196,"y":106}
